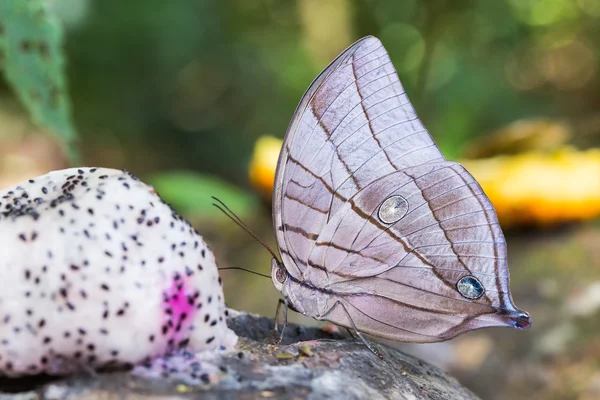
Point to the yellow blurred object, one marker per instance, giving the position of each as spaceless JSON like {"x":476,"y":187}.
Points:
{"x":520,"y":136}
{"x":263,"y":164}
{"x":531,"y":188}
{"x":537,"y":188}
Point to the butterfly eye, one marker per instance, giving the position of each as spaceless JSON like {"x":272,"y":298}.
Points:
{"x":470,"y":287}
{"x":393,"y":209}
{"x":281,"y":275}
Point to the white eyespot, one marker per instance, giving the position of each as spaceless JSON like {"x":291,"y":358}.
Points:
{"x":393,"y":209}
{"x":470,"y":287}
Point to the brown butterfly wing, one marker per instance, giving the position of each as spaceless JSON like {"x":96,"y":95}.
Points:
{"x":354,"y":141}
{"x":353,"y":125}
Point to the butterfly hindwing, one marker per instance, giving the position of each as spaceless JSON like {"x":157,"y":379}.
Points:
{"x":448,"y":232}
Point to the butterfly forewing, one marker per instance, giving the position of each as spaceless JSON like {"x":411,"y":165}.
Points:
{"x":374,"y":222}
{"x":354,"y":124}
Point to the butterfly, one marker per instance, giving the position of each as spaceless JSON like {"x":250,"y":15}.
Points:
{"x":377,"y":231}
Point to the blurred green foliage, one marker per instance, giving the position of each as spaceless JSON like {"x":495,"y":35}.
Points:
{"x":190,"y":84}
{"x":33,"y":62}
{"x":187,"y":192}
{"x":202,"y":80}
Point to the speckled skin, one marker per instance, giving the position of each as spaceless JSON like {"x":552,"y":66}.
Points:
{"x":96,"y":270}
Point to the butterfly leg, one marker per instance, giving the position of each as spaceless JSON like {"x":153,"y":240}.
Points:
{"x":372,"y":348}
{"x":276,"y":339}
{"x":351,"y":333}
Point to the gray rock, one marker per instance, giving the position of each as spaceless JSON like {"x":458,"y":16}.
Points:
{"x":309,"y":364}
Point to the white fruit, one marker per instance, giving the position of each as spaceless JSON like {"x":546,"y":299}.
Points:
{"x":96,"y":270}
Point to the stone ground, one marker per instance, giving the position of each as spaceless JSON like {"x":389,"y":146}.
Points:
{"x":311,"y":363}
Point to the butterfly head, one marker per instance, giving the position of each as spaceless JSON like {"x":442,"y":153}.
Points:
{"x":279,"y":274}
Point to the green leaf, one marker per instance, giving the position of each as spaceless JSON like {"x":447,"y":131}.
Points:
{"x":32,"y":59}
{"x":190,"y":194}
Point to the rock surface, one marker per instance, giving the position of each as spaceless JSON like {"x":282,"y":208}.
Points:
{"x":309,"y":364}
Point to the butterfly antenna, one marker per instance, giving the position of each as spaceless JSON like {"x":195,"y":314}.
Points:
{"x":244,"y":269}
{"x":225,"y":210}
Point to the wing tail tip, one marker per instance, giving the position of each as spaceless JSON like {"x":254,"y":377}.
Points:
{"x":522,"y":320}
{"x":516,"y":318}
